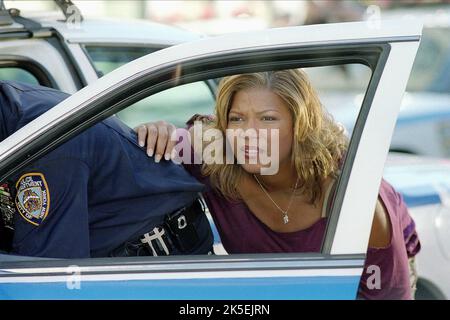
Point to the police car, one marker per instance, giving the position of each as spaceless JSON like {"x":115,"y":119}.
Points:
{"x":63,"y":50}
{"x":333,"y":273}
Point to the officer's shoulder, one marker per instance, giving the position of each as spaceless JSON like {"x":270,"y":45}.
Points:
{"x":23,"y":87}
{"x":30,"y":98}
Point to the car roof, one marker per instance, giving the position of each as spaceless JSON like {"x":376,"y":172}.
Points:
{"x":112,"y":31}
{"x":119,"y":31}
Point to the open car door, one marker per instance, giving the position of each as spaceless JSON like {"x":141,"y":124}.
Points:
{"x":333,"y":273}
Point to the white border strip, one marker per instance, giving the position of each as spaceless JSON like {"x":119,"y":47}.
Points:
{"x":177,"y":267}
{"x":188,"y":275}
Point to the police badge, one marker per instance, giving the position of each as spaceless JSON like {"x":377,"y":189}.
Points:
{"x":33,"y":198}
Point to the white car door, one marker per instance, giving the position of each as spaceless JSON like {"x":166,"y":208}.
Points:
{"x":334,"y":273}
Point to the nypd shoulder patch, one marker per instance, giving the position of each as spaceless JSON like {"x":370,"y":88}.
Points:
{"x":33,"y":198}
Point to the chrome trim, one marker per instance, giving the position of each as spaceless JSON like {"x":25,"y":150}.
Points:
{"x":187,"y":264}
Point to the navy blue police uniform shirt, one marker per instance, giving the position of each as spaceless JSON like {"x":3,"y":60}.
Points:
{"x":92,"y":193}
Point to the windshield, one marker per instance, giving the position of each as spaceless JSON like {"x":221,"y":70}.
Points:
{"x":108,"y":58}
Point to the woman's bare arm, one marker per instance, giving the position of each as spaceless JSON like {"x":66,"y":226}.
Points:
{"x":380,"y":236}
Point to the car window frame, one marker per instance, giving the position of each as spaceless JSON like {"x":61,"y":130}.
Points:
{"x":43,"y":77}
{"x":57,"y":41}
{"x":371,"y":58}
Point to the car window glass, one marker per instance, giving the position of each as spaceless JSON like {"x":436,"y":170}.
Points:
{"x":341,"y":78}
{"x":18,"y":74}
{"x":341,"y":89}
{"x":108,"y":58}
{"x":175,"y":105}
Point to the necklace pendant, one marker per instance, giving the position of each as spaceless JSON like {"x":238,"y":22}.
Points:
{"x":285,"y":218}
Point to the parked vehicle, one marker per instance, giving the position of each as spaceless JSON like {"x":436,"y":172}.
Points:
{"x":67,"y":54}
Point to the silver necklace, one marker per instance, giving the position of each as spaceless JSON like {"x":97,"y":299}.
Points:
{"x":284,"y":212}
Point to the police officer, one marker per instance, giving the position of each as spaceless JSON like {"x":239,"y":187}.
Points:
{"x":98,"y":194}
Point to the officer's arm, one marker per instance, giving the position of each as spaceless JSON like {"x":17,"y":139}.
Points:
{"x":52,"y":205}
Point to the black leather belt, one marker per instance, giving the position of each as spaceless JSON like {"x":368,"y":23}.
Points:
{"x":177,"y":235}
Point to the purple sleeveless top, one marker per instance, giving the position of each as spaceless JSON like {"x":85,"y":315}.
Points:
{"x":242,"y":232}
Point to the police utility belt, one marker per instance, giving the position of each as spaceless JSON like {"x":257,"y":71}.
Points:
{"x":176,"y":235}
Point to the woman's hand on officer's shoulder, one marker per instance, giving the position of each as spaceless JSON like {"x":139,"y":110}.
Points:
{"x":161,"y":137}
{"x":156,"y":136}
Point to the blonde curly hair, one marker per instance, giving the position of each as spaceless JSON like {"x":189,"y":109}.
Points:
{"x":319,"y":142}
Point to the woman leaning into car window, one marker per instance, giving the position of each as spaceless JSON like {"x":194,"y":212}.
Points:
{"x":285,"y":210}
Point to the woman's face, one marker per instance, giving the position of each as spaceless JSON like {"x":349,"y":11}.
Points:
{"x":260,"y":108}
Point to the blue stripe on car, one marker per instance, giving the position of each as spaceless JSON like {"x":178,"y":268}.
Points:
{"x":419,"y":196}
{"x":421,"y":200}
{"x":317,"y":287}
{"x":408,"y":119}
